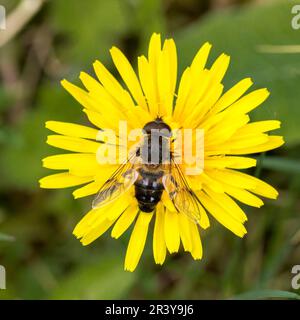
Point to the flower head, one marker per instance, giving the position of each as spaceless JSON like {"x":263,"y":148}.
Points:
{"x":198,"y":103}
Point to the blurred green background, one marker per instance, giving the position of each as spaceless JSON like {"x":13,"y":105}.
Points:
{"x":42,"y":258}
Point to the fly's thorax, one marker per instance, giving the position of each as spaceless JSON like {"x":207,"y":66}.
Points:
{"x":159,"y":125}
{"x":155,"y":149}
{"x":156,"y":142}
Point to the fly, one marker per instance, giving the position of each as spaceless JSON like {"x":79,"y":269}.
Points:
{"x":152,"y":169}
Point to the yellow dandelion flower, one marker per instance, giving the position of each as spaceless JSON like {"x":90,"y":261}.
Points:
{"x":149,"y":98}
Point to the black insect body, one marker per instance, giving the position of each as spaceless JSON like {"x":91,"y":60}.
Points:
{"x":148,"y":189}
{"x":154,"y":152}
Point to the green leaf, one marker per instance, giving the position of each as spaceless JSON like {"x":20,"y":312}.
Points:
{"x":149,"y":18}
{"x":282,"y":164}
{"x":26,"y":144}
{"x":267,"y":294}
{"x":89,"y":28}
{"x":104,"y":279}
{"x":241,"y":33}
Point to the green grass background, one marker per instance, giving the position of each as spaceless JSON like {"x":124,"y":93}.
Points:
{"x":42,"y":258}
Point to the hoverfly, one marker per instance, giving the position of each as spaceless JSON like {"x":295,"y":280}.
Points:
{"x":150,"y":176}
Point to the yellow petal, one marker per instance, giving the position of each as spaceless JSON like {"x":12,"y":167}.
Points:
{"x":71,"y":129}
{"x":166,"y":77}
{"x":198,"y":93}
{"x":159,"y":244}
{"x":233,"y":178}
{"x":250,"y":101}
{"x":202,"y":107}
{"x":97,"y":221}
{"x":185,"y":232}
{"x":113,"y":87}
{"x":196,"y":251}
{"x":125,"y":221}
{"x":86,"y":223}
{"x":204,"y":221}
{"x":128,"y":75}
{"x":120,"y":205}
{"x":208,"y":178}
{"x":225,"y":130}
{"x":233,"y":94}
{"x":91,"y":84}
{"x":148,"y":82}
{"x":221,"y":162}
{"x":220,"y":67}
{"x":272,"y":143}
{"x":107,"y":79}
{"x":89,"y":189}
{"x":209,"y":121}
{"x":228,"y":205}
{"x":79,"y":94}
{"x":71,"y":160}
{"x":137,"y":241}
{"x":84,"y":172}
{"x":183,"y":93}
{"x":167,"y":202}
{"x":62,"y":180}
{"x":95,"y":233}
{"x":73,"y":144}
{"x":99,"y":121}
{"x":83,"y":97}
{"x":103,"y":175}
{"x":262,"y":188}
{"x":111,"y":108}
{"x":243,"y":196}
{"x":200,"y":59}
{"x":154,"y":50}
{"x":171,"y":231}
{"x":237,"y":142}
{"x":222,"y":216}
{"x":171,"y":53}
{"x":259,"y":127}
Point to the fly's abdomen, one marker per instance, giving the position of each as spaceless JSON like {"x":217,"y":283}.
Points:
{"x":148,"y":190}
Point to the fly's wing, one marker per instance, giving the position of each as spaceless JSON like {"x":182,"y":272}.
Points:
{"x":121,"y":180}
{"x":179,"y":191}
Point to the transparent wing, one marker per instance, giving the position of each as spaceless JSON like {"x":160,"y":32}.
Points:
{"x":179,"y":191}
{"x":121,"y":180}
